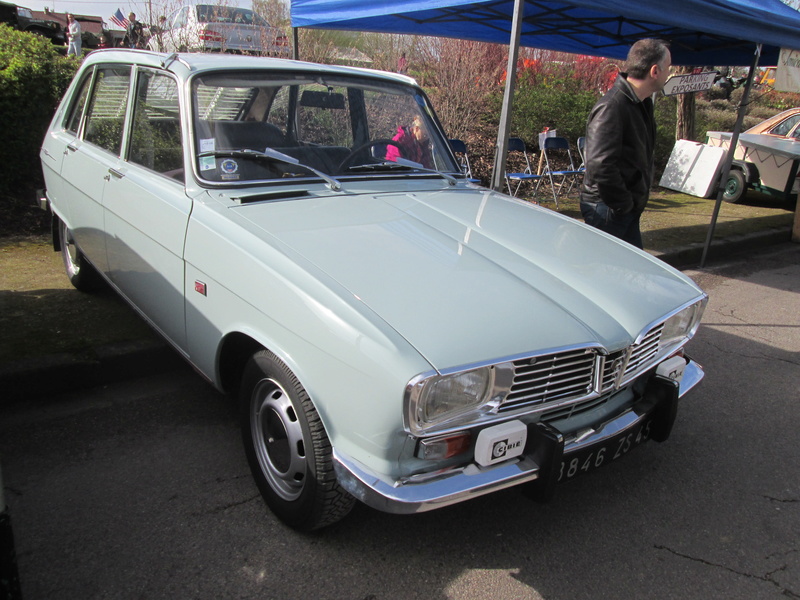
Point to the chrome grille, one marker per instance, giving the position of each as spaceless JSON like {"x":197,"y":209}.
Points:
{"x":643,"y":353}
{"x":566,"y":383}
{"x":560,"y":376}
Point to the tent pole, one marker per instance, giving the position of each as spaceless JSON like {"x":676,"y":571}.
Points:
{"x":726,"y":166}
{"x":501,"y":149}
{"x":295,"y":44}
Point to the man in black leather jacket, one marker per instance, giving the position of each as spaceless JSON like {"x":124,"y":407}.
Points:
{"x":620,"y":142}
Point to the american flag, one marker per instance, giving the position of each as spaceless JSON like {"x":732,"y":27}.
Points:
{"x":119,"y":19}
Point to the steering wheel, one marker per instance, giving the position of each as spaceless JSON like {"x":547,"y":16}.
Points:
{"x":356,"y":151}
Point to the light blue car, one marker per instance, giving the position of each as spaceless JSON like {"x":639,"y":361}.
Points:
{"x":303,"y":235}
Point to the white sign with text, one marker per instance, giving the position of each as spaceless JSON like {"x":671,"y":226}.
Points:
{"x":694,"y":82}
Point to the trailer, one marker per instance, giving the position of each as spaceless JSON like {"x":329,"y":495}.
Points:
{"x":765,"y":163}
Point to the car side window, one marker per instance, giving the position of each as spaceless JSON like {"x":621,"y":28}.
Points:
{"x":785,"y":126}
{"x":73,"y":122}
{"x":105,"y":119}
{"x":279,"y":109}
{"x":156,"y":134}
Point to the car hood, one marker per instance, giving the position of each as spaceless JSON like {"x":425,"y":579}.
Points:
{"x":468,"y":275}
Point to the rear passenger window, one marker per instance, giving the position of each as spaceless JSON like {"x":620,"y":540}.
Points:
{"x":76,"y":111}
{"x":106,"y":116}
{"x":156,"y":134}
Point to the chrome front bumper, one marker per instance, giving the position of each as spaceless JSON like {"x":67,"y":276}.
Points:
{"x":456,"y":485}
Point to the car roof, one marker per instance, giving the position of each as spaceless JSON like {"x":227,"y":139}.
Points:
{"x":768,"y":124}
{"x":189,"y":63}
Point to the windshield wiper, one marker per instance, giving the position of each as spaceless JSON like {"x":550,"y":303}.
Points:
{"x":401,"y":164}
{"x":271,"y":154}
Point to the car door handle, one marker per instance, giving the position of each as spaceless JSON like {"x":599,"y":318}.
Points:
{"x":116,"y":174}
{"x":71,"y":148}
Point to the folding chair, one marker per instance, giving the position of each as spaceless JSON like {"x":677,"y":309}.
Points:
{"x":517,"y":145}
{"x":557,"y":148}
{"x":459,"y":148}
{"x":581,"y":152}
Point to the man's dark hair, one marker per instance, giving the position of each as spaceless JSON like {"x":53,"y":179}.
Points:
{"x":643,"y":55}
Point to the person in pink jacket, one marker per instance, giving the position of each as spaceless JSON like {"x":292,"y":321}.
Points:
{"x":412,"y":144}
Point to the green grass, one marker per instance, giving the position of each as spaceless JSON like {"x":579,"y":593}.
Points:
{"x":41,"y":313}
{"x":672,"y":219}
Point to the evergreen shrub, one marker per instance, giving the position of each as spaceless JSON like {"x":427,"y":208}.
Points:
{"x":33,"y":78}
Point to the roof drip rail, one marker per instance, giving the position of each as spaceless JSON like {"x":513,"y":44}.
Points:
{"x":171,"y":59}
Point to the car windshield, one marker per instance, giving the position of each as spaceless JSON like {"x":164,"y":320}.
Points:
{"x":207,"y":13}
{"x":339,"y":126}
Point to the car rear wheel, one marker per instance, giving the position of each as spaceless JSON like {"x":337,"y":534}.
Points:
{"x":80,"y":272}
{"x":287,"y":448}
{"x":735,"y":187}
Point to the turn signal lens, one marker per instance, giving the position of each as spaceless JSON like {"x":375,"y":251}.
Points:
{"x":444,"y":447}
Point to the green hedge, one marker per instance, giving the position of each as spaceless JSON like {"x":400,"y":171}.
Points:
{"x":564,"y":106}
{"x":33,"y":77}
{"x":559,"y":104}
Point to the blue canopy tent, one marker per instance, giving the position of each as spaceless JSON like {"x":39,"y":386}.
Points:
{"x":700,"y":32}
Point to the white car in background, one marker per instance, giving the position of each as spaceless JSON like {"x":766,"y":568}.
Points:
{"x":213,"y":28}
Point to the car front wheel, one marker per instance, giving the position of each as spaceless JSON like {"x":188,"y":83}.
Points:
{"x":287,"y":448}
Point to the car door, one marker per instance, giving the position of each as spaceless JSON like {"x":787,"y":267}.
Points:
{"x":92,"y":142}
{"x":146,"y":207}
{"x":64,"y":131}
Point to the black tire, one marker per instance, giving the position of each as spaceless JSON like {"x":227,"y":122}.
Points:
{"x":735,"y":186}
{"x":80,"y":272}
{"x":287,"y":448}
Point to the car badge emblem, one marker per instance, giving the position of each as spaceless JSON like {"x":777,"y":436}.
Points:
{"x":616,"y":366}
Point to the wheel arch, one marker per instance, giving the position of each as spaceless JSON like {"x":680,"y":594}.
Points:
{"x":54,"y":221}
{"x":235,"y":350}
{"x":750,"y":171}
{"x":47,"y":206}
{"x":237,"y":347}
